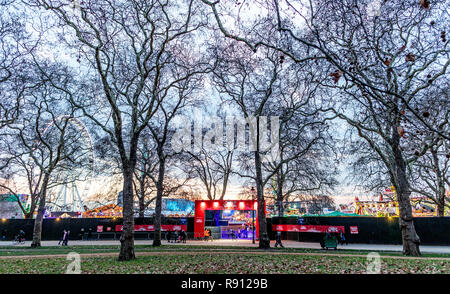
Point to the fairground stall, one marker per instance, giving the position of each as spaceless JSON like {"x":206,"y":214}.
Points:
{"x":234,"y":218}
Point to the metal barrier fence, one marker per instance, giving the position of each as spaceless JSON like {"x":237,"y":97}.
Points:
{"x":371,"y":230}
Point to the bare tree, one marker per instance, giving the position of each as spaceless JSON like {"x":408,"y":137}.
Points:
{"x":264,"y":84}
{"x":213,"y":168}
{"x":143,"y":184}
{"x":387,"y":59}
{"x":43,"y":134}
{"x":304,"y":163}
{"x":130,"y":50}
{"x":191,"y":71}
{"x":315,"y":204}
{"x":430,"y":176}
{"x":13,"y":51}
{"x":12,"y":175}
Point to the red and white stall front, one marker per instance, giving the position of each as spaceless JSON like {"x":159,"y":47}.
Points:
{"x":201,"y":206}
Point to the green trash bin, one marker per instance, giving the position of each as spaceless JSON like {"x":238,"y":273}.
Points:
{"x":330,"y":242}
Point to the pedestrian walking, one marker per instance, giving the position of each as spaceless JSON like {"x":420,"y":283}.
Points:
{"x":342,"y":239}
{"x":66,"y":239}
{"x":89,"y":236}
{"x":63,"y":237}
{"x":278,"y":240}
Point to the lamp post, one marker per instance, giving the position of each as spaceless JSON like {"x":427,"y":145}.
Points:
{"x":253,"y":216}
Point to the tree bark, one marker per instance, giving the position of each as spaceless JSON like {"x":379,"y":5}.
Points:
{"x":141,"y":197}
{"x":264,"y":241}
{"x":127,"y":237}
{"x":158,"y":206}
{"x":37,"y":230}
{"x":280,"y":194}
{"x":410,"y":238}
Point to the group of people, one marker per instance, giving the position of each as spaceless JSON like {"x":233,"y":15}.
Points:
{"x":176,"y":236}
{"x":232,"y":234}
{"x":241,"y":233}
{"x":64,"y":238}
{"x":82,"y":233}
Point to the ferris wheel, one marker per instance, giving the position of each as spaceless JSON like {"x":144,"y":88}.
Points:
{"x":69,"y":195}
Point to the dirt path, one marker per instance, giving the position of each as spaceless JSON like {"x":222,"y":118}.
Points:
{"x":111,"y":254}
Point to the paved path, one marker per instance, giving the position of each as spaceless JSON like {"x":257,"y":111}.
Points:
{"x":247,"y":243}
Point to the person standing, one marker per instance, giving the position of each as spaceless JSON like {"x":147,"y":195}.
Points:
{"x":89,"y":236}
{"x":3,"y":235}
{"x":63,"y":237}
{"x":183,"y":236}
{"x":81,"y":234}
{"x":342,"y":239}
{"x":210,"y":235}
{"x":278,"y":240}
{"x":233,"y":235}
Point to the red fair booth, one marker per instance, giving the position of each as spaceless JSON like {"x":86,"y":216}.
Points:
{"x":201,"y":206}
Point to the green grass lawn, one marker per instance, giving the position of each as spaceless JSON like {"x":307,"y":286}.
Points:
{"x":47,"y":250}
{"x":211,"y":263}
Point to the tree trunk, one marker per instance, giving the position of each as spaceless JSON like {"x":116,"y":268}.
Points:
{"x":225,"y":183}
{"x":410,"y":238}
{"x":264,"y":241}
{"x":127,"y":237}
{"x":441,"y":200}
{"x":158,"y":206}
{"x":440,"y":197}
{"x":37,"y":230}
{"x":280,"y":195}
{"x":440,"y":209}
{"x":141,"y":197}
{"x":29,"y":214}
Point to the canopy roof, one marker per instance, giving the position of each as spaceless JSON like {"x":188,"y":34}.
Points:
{"x":334,"y":213}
